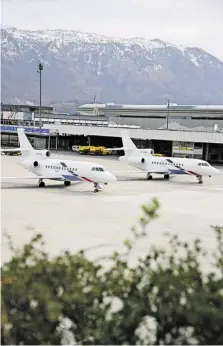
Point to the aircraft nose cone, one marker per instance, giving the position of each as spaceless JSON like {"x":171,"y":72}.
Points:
{"x":111,"y":177}
{"x":216,"y":171}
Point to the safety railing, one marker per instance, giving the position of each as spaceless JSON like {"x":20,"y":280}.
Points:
{"x":7,"y":125}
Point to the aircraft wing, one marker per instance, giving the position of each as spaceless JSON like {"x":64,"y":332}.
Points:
{"x":34,"y":177}
{"x":75,"y":178}
{"x":69,"y":177}
{"x":144,"y":172}
{"x":45,"y":177}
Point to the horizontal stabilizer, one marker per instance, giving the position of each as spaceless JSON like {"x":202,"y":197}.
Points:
{"x":116,"y":149}
{"x":13,"y":150}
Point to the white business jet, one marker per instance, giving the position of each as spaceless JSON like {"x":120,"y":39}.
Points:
{"x":39,"y":163}
{"x":145,"y":160}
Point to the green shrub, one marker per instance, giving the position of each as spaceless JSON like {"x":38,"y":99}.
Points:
{"x":166,"y":298}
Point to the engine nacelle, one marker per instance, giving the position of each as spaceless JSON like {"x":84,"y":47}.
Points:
{"x":35,"y":164}
{"x":150,"y":151}
{"x":48,"y":153}
{"x":136,"y":160}
{"x":45,"y":153}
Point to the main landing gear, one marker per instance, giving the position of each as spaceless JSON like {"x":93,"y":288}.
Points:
{"x":200,"y":179}
{"x":166,"y":176}
{"x":67,"y":183}
{"x":149,"y":176}
{"x":41,"y":183}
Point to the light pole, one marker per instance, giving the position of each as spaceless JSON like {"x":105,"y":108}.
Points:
{"x":39,"y":70}
{"x":1,"y":113}
{"x":168,"y":113}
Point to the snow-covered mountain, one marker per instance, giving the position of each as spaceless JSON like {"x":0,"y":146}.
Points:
{"x":78,"y":65}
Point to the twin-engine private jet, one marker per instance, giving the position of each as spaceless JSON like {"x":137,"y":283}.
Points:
{"x":146,"y":161}
{"x":39,"y":163}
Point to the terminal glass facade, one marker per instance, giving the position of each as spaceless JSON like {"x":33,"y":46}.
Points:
{"x":187,"y":149}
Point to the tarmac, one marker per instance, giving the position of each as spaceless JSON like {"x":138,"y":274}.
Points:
{"x":73,"y":218}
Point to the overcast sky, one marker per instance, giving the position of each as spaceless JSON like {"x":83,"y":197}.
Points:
{"x":187,"y":22}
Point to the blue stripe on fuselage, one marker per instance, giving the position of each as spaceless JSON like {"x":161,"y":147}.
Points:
{"x":71,"y":177}
{"x":177,"y":171}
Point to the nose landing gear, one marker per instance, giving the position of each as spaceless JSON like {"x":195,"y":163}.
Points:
{"x":200,"y":179}
{"x":96,"y":187}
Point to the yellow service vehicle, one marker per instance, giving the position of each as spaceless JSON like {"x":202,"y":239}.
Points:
{"x":101,"y":151}
{"x":92,"y":150}
{"x":12,"y":153}
{"x":96,"y":150}
{"x":83,"y":150}
{"x":105,"y":151}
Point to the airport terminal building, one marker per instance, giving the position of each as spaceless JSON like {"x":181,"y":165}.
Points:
{"x":172,"y":116}
{"x":172,"y":130}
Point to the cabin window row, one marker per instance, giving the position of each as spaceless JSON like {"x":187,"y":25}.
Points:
{"x":63,"y":168}
{"x":169,"y":164}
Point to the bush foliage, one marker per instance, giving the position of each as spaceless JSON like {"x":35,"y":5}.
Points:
{"x":166,"y":298}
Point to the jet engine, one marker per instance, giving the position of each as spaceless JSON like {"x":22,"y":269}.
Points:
{"x":150,"y":151}
{"x":137,"y":160}
{"x":35,"y":164}
{"x":48,"y":153}
{"x":45,"y":153}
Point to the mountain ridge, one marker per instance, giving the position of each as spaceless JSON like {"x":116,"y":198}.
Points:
{"x":123,"y":70}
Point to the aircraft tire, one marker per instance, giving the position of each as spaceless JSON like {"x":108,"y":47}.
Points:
{"x":96,"y":190}
{"x":67,"y":183}
{"x":149,"y":177}
{"x":42,"y":184}
{"x":166,"y":176}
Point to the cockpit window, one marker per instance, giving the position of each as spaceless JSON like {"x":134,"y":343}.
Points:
{"x":97,"y":169}
{"x":203,"y":164}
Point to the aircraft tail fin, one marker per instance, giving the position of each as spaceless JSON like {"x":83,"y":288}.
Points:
{"x":128,"y":144}
{"x":25,"y":145}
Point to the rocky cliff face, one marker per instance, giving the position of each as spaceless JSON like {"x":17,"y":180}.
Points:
{"x":78,"y":65}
